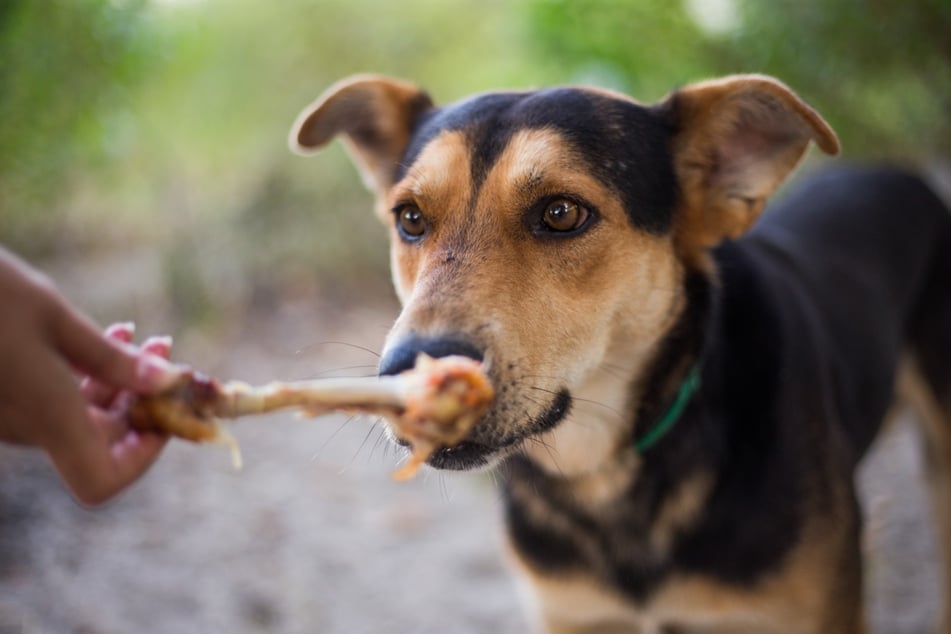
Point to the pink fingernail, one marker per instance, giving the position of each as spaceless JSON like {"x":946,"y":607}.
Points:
{"x":123,"y":331}
{"x":163,"y":342}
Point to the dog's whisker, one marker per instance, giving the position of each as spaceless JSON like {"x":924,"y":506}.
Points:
{"x":551,"y":451}
{"x":548,"y":377}
{"x":376,"y":444}
{"x":544,"y":443}
{"x":374,"y":426}
{"x":336,"y":371}
{"x":537,"y":401}
{"x":330,"y":438}
{"x":614,"y":374}
{"x":539,"y":388}
{"x":588,"y":401}
{"x":577,"y":399}
{"x":616,"y":371}
{"x":494,"y":477}
{"x":318,"y":344}
{"x":444,"y":487}
{"x":387,"y":447}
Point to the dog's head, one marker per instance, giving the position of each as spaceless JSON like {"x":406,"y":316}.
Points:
{"x":548,"y":232}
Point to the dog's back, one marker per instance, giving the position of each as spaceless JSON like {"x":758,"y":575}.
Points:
{"x":871,"y":250}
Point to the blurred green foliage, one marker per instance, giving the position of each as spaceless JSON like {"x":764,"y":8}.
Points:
{"x":878,"y":70}
{"x":162,"y":124}
{"x":62,"y":65}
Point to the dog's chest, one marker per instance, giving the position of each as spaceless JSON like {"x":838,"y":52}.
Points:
{"x":624,"y":542}
{"x":622,"y":564}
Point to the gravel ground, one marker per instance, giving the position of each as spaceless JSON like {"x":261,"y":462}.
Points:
{"x":313,"y":536}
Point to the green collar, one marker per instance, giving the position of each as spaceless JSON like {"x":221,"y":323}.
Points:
{"x":690,"y":384}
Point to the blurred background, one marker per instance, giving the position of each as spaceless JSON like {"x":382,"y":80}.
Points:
{"x":144,"y":166}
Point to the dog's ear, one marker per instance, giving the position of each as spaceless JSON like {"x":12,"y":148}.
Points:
{"x":376,"y":116}
{"x":735,"y":140}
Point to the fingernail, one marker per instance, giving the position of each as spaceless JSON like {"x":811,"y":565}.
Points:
{"x":163,"y":341}
{"x":123,"y":330}
{"x":155,"y":373}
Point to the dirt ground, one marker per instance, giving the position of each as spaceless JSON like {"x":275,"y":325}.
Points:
{"x":313,"y":536}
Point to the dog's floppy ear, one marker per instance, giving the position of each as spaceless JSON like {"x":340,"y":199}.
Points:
{"x":735,"y":140}
{"x":376,"y":116}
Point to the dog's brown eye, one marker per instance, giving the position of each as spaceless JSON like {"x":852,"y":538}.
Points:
{"x":564,"y":215}
{"x":410,"y":221}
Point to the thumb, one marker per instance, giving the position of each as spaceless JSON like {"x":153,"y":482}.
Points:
{"x":111,"y":362}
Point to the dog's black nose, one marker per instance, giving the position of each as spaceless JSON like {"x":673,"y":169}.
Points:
{"x":402,"y":356}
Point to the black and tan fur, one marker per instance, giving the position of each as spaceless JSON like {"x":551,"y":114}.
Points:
{"x":591,"y":249}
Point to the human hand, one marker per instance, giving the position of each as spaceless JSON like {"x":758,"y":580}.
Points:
{"x":83,"y":427}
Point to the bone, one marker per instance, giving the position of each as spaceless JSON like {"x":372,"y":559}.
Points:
{"x":432,"y":405}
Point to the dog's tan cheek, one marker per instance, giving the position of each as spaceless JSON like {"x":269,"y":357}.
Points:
{"x":629,"y":288}
{"x":404,"y":265}
{"x":589,"y":280}
{"x":552,"y":309}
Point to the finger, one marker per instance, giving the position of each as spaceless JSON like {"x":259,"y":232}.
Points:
{"x":159,"y":346}
{"x":112,"y":417}
{"x":134,"y":454}
{"x":104,"y":466}
{"x":130,"y":453}
{"x":121,"y":331}
{"x":75,"y":443}
{"x":108,"y":361}
{"x":110,"y":423}
{"x":103,"y":395}
{"x":96,"y":392}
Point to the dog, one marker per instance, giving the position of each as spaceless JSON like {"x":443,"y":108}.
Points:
{"x":683,"y":387}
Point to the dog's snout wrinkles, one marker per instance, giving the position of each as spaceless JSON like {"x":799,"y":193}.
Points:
{"x":402,"y":356}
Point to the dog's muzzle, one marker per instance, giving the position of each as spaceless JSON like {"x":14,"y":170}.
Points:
{"x":486,"y":442}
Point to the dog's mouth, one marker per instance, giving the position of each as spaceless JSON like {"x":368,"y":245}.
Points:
{"x":476,"y":453}
{"x":465,"y":456}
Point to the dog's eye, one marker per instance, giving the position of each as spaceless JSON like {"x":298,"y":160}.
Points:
{"x":410,"y":222}
{"x":564,"y":215}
